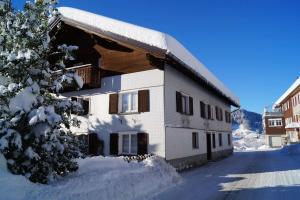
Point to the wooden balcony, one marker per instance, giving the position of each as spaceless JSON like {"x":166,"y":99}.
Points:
{"x":89,"y":74}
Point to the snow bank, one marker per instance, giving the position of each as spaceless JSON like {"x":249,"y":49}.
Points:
{"x":97,"y":178}
{"x":247,"y":140}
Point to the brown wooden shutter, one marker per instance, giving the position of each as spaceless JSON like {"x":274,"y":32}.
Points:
{"x":221,"y":114}
{"x":86,"y":106}
{"x":208,"y":111}
{"x":191,"y":104}
{"x":114,"y":144}
{"x":202,"y":110}
{"x":217,"y":113}
{"x":178,"y":102}
{"x":144,"y":101}
{"x":113,"y":103}
{"x":142,"y":143}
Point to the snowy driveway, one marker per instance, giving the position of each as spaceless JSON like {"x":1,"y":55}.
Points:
{"x":245,"y":175}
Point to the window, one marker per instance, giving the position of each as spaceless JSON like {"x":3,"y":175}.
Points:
{"x":229,"y":139}
{"x":220,"y":140}
{"x":185,"y":104}
{"x":219,"y":114}
{"x":84,"y":102}
{"x":275,"y":122}
{"x":202,"y":110}
{"x":129,"y":144}
{"x":129,"y":102}
{"x":214,"y":140}
{"x":195,"y":140}
{"x":227,"y":117}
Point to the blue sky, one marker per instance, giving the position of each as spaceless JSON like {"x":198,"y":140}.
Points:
{"x":252,"y":46}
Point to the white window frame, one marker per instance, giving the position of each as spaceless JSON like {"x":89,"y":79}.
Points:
{"x":130,"y":152}
{"x":185,"y":104}
{"x":276,"y":122}
{"x":130,"y":110}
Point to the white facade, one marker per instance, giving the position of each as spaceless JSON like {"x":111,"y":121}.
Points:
{"x":179,"y":127}
{"x":170,"y":132}
{"x":103,"y":123}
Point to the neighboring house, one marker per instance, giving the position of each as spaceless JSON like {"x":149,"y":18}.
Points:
{"x":144,"y":92}
{"x":285,"y":121}
{"x":274,"y":128}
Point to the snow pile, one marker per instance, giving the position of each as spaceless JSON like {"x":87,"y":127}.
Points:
{"x":97,"y":178}
{"x":247,"y":140}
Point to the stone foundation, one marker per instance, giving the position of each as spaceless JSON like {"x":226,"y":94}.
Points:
{"x":194,"y":161}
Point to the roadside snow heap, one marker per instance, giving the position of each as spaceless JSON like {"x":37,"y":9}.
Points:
{"x":97,"y":178}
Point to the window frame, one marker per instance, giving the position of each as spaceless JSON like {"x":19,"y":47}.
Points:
{"x":195,"y":140}
{"x":121,"y":144}
{"x":185,"y":104}
{"x":276,"y":122}
{"x":130,"y":103}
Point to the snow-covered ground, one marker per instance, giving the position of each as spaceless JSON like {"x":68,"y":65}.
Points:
{"x":247,"y":140}
{"x":97,"y":178}
{"x":247,"y":175}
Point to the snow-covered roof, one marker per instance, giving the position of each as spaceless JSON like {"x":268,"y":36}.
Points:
{"x":293,"y":87}
{"x":123,"y":31}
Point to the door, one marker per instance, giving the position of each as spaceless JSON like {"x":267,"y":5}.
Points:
{"x":275,"y":141}
{"x":208,"y":144}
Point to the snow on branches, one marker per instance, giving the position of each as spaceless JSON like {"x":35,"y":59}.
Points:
{"x":34,"y":123}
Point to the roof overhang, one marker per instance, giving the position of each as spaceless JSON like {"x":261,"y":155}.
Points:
{"x":155,"y":42}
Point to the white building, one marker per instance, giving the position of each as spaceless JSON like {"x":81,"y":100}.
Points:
{"x":144,"y":92}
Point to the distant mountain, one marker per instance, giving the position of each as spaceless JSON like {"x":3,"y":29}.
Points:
{"x":250,"y":120}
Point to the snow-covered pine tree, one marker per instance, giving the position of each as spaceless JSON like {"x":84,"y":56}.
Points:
{"x":34,"y":123}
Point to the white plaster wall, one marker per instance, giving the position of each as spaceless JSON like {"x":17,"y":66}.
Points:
{"x":225,"y":145}
{"x":179,"y":143}
{"x":103,"y":123}
{"x":179,"y":127}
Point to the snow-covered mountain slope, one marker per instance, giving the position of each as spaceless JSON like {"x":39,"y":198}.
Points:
{"x":247,"y":129}
{"x":247,"y":140}
{"x":250,"y":120}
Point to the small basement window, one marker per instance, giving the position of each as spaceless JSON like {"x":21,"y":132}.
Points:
{"x":220,"y":140}
{"x":195,"y":139}
{"x":129,"y":102}
{"x":214,"y":140}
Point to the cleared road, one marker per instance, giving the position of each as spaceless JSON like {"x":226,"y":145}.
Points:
{"x":245,"y":175}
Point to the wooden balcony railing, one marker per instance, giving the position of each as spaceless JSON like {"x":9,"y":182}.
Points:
{"x":89,"y":74}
